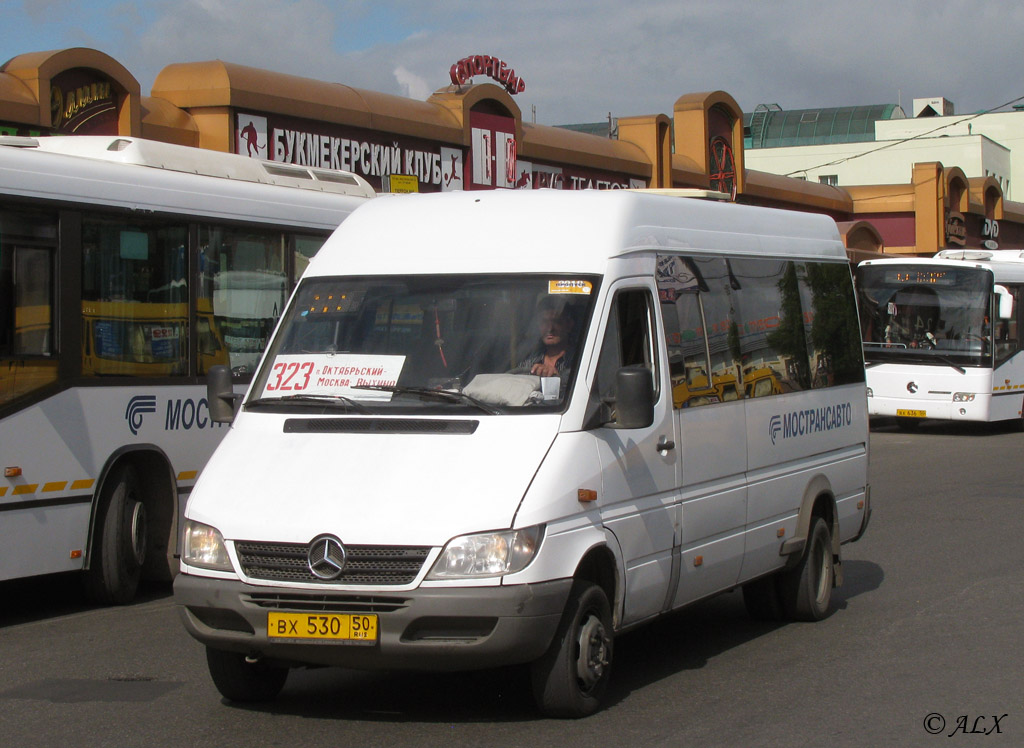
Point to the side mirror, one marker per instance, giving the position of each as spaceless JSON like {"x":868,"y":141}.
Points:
{"x":220,"y":394}
{"x":1004,"y":302}
{"x":634,"y":400}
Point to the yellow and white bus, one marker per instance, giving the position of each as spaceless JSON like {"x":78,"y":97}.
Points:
{"x":113,"y":308}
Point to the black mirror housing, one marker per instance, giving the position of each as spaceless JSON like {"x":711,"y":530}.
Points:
{"x":634,"y":399}
{"x":220,"y":394}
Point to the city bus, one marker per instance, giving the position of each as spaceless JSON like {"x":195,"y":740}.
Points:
{"x":113,"y":308}
{"x":942,"y":336}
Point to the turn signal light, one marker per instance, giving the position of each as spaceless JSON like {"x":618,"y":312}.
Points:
{"x":12,"y":472}
{"x":586,"y":494}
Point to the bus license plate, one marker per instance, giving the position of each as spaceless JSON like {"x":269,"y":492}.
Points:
{"x":911,"y":413}
{"x":347,"y":627}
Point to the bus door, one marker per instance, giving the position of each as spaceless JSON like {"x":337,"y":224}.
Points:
{"x":703,"y":335}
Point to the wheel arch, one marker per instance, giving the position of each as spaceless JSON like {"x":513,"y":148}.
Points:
{"x":599,"y":565}
{"x":159,"y":495}
{"x":818,"y":501}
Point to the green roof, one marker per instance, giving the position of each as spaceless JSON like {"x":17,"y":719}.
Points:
{"x":770,"y":126}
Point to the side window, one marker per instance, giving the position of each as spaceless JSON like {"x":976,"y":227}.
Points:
{"x":628,"y":340}
{"x":772,"y":333}
{"x":1007,"y":338}
{"x":28,"y":240}
{"x":830,"y":324}
{"x":134,"y":298}
{"x":700,"y":305}
{"x":243,"y":287}
{"x":304,"y":249}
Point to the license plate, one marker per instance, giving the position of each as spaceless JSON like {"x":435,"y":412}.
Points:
{"x":911,"y":413}
{"x":352,"y":628}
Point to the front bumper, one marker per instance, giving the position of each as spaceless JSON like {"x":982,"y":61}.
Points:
{"x":450,"y":628}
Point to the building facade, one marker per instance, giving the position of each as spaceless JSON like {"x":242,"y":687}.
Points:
{"x":471,"y":135}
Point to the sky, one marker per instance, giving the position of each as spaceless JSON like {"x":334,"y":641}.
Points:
{"x":580,"y":61}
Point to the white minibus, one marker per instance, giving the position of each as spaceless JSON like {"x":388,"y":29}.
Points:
{"x":504,"y":427}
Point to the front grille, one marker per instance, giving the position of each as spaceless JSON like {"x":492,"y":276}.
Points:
{"x":293,"y":600}
{"x":364,"y":564}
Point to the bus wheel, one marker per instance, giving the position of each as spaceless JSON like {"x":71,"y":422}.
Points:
{"x":572,"y":676}
{"x":806,"y":590}
{"x":119,"y":540}
{"x":238,"y":679}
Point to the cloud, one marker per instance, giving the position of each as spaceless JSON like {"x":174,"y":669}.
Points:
{"x":580,"y":61}
{"x":412,"y":85}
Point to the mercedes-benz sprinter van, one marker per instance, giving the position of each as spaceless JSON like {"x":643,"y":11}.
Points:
{"x":504,"y":427}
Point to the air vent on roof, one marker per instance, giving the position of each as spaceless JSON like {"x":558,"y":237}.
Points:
{"x":330,"y":176}
{"x":286,"y":171}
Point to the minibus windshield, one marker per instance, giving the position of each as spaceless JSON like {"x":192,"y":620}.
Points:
{"x":438,"y":343}
{"x":926,"y":314}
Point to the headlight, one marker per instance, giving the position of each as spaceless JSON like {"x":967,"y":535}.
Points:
{"x":488,"y":554}
{"x":963,"y":397}
{"x":204,"y":547}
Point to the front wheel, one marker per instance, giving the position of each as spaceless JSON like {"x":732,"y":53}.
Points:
{"x":572,"y":676}
{"x":238,"y":679}
{"x":806,"y":590}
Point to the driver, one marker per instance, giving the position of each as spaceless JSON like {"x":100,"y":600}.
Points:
{"x":554,"y":354}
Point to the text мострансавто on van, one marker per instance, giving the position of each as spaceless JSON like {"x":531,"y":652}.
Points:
{"x":497,"y":428}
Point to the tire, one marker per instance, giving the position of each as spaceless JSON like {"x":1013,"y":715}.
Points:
{"x":570,"y":679}
{"x":806,"y":590}
{"x":762,"y":600}
{"x":240,"y":680}
{"x":119,"y":540}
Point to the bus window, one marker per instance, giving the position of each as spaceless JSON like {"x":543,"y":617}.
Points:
{"x":243,"y":281}
{"x":27,"y":242}
{"x":134,"y":298}
{"x":772,"y":336}
{"x":831,"y":325}
{"x":1007,"y":333}
{"x":304,"y":249}
{"x":702,"y":330}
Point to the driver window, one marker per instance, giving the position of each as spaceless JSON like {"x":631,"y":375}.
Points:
{"x":628,"y":340}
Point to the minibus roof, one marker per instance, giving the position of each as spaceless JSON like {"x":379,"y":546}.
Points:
{"x":536,"y":231}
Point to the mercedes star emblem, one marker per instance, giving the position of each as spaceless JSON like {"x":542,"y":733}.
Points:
{"x":326,"y":557}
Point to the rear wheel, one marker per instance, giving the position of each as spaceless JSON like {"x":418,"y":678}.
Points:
{"x":119,"y":541}
{"x":572,"y":676}
{"x":806,"y":590}
{"x":238,"y":679}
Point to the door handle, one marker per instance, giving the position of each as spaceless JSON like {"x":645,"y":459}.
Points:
{"x":665,"y":444}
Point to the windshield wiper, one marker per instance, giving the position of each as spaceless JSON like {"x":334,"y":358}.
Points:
{"x":311,"y":400}
{"x":446,"y":395}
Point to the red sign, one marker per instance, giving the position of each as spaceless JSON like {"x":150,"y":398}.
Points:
{"x":492,"y":67}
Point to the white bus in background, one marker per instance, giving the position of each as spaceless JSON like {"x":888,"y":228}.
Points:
{"x":942,"y":336}
{"x":110,"y":318}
